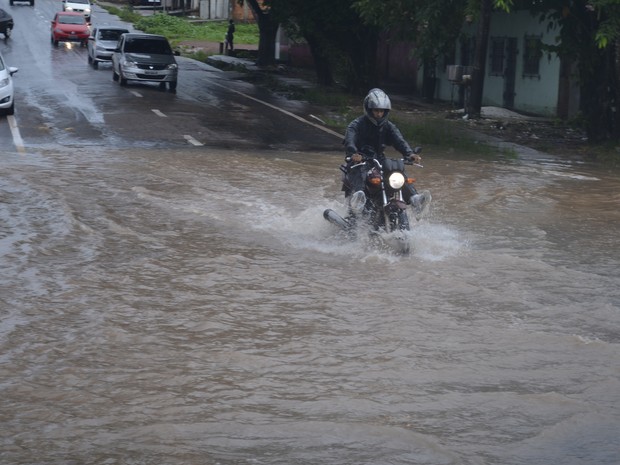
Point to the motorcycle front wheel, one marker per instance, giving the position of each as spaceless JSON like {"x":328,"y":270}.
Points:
{"x":398,"y":221}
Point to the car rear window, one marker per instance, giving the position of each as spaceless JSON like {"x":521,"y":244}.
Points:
{"x":110,"y":35}
{"x":66,"y":19}
{"x":155,"y":46}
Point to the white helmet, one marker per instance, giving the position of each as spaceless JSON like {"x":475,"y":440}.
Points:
{"x":377,"y":99}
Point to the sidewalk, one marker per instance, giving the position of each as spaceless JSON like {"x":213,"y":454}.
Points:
{"x":228,"y":63}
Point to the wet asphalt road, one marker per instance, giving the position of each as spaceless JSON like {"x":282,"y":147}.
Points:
{"x":61,"y":100}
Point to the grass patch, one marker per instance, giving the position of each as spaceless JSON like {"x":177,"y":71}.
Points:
{"x":126,"y":13}
{"x":606,"y":154}
{"x":178,"y":29}
{"x":445,"y":135}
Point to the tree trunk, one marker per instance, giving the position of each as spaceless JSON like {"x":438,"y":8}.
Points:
{"x":322,"y":66}
{"x":429,"y":80}
{"x":599,"y":95}
{"x":480,"y":60}
{"x":267,"y":30}
{"x":362,"y":73}
{"x":267,"y":42}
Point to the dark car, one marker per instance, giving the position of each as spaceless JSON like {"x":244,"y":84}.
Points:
{"x":144,"y":57}
{"x":6,"y":24}
{"x":11,"y":2}
{"x":102,"y":43}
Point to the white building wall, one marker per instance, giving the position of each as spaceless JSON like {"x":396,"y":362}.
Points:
{"x":532,"y":94}
{"x":214,"y":9}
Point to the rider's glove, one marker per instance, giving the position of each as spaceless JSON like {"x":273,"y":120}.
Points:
{"x":415,"y":158}
{"x":356,"y":158}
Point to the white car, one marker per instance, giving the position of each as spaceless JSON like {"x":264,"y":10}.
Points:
{"x":102,"y":43}
{"x":79,"y":6}
{"x":145,"y":57}
{"x":7,"y":104}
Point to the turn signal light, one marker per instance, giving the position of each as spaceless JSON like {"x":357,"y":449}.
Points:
{"x":410,"y":180}
{"x":374,"y":181}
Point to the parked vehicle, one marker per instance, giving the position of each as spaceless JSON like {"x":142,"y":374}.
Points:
{"x":7,"y":97}
{"x":11,"y":2}
{"x":381,"y":207}
{"x":145,"y":57}
{"x":102,"y":43}
{"x":78,"y":6}
{"x":6,"y":24}
{"x":70,"y":27}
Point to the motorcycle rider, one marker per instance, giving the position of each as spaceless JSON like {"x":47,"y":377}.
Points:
{"x":372,"y":132}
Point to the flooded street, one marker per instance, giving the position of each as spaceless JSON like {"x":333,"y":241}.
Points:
{"x":193,"y":307}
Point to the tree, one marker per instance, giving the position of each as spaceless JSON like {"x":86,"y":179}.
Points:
{"x":333,"y":31}
{"x":485,"y":9}
{"x":589,"y":35}
{"x":338,"y":39}
{"x":267,"y":31}
{"x":433,"y":25}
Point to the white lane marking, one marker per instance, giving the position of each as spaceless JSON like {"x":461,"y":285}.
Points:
{"x":192,"y":141}
{"x":137,"y":94}
{"x":159,"y":113}
{"x":17,"y":138}
{"x":293,"y":115}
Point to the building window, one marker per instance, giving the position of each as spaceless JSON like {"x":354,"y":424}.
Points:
{"x":532,"y":56}
{"x":496,"y":66}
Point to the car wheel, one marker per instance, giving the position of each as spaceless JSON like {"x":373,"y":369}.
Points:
{"x":172,"y":85}
{"x":95,"y":64}
{"x":31,"y":2}
{"x":114,"y":76}
{"x":123,"y":81}
{"x":11,"y":109}
{"x":11,"y":2}
{"x":90,"y":60}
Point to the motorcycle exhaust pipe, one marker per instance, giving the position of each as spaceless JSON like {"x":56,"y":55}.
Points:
{"x":334,"y":218}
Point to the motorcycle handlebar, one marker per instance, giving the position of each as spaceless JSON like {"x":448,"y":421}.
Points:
{"x":407,"y":161}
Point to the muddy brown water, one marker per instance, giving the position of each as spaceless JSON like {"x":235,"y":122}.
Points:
{"x":193,"y":307}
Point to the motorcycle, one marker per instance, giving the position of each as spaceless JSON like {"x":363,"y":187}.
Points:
{"x":382,"y":205}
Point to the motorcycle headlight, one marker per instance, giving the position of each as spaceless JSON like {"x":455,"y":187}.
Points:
{"x":396,"y":180}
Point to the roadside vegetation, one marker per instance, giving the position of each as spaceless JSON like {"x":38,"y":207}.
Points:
{"x":178,"y":29}
{"x":339,"y":106}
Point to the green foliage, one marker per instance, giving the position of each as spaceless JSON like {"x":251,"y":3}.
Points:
{"x":125,"y":14}
{"x":177,"y":28}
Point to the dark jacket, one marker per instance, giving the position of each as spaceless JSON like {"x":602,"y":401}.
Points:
{"x":361,"y":132}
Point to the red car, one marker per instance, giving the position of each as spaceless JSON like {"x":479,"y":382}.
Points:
{"x":70,"y":27}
